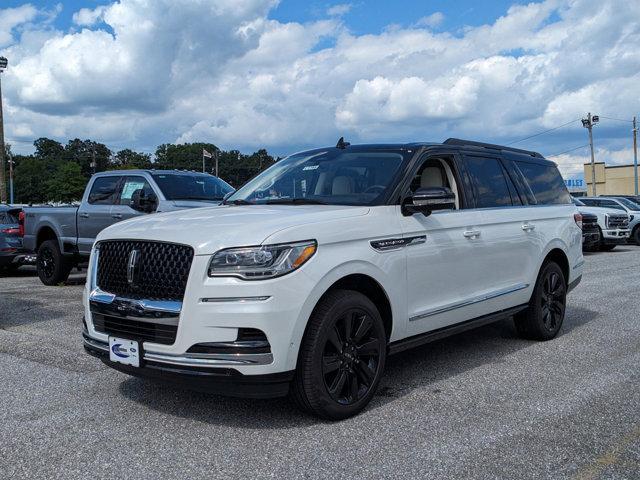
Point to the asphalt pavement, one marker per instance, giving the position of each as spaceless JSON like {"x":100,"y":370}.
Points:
{"x":483,"y":404}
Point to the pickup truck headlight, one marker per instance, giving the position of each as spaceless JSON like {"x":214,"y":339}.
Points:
{"x":265,"y":261}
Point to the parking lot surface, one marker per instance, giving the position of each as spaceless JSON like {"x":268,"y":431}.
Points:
{"x":483,"y":404}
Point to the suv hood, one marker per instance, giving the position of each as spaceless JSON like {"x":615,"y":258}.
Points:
{"x":599,"y":210}
{"x":208,"y":230}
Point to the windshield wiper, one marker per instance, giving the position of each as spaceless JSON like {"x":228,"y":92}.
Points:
{"x":237,"y":202}
{"x":206,"y":199}
{"x":295,"y":201}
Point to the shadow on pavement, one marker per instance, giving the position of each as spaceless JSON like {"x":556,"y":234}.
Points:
{"x":405,"y":372}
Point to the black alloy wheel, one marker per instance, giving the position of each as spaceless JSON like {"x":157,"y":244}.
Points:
{"x":52,"y":266}
{"x":553,"y":300}
{"x":543,"y":317}
{"x":342,"y":356}
{"x":351,"y":357}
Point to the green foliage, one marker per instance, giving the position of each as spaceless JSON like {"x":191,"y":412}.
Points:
{"x":59,"y":173}
{"x":128,"y":159}
{"x":67,"y":183}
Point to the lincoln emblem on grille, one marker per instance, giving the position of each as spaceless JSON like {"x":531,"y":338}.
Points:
{"x":131,"y":266}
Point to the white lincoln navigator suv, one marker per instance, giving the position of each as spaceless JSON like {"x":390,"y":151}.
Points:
{"x":305,"y":279}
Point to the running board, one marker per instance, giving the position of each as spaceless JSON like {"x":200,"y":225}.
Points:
{"x":417,"y":340}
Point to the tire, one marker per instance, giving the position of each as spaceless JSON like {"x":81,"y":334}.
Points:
{"x":342,"y":356}
{"x":635,"y":236}
{"x":543,"y":317}
{"x":53,"y":268}
{"x":607,"y":248}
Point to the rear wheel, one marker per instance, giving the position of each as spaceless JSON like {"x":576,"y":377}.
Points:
{"x":544,"y":316}
{"x":53,"y":268}
{"x":342,"y":356}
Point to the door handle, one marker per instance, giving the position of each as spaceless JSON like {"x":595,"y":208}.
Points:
{"x":528,"y":227}
{"x":472,"y":233}
{"x":84,"y":215}
{"x":117,"y":215}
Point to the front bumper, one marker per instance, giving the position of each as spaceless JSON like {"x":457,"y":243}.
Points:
{"x":590,"y":238}
{"x":615,"y":237}
{"x":205,"y":375}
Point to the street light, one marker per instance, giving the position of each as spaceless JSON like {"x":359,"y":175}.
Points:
{"x":3,"y":188}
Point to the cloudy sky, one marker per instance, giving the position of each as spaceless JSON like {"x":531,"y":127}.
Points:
{"x":292,"y":74}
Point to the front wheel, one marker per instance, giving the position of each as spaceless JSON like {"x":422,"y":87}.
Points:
{"x":53,"y":268}
{"x":342,"y":356}
{"x":635,"y":235}
{"x":544,"y":316}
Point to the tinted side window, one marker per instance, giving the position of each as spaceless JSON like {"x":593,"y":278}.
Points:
{"x":591,"y":202}
{"x":103,"y":191}
{"x":611,"y":204}
{"x":489,"y":181}
{"x":545,"y":183}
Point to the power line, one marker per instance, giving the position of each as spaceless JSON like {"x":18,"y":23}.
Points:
{"x":567,"y":151}
{"x":542,"y":133}
{"x":617,"y":119}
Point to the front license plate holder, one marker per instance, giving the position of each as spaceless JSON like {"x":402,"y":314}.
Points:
{"x":122,"y":350}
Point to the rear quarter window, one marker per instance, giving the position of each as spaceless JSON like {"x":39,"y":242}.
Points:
{"x":545,"y":183}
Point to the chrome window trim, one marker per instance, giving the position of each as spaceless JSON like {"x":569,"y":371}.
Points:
{"x":262,"y":298}
{"x":471,"y":301}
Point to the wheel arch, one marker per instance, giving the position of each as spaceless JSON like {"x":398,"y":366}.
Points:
{"x":559,"y":256}
{"x":358,"y":276}
{"x":46,"y":232}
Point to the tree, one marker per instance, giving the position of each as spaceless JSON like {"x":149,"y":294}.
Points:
{"x":30,"y":179}
{"x":84,"y":152}
{"x":127,"y":158}
{"x":184,"y":156}
{"x":67,"y":184}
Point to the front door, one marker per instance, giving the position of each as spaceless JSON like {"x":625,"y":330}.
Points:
{"x":444,"y":265}
{"x":123,"y":210}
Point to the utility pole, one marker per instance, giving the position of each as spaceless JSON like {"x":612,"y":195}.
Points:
{"x":635,"y":155}
{"x":588,"y":123}
{"x":3,"y":187}
{"x":10,"y":178}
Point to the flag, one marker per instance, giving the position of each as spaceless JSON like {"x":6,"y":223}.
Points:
{"x":206,"y":154}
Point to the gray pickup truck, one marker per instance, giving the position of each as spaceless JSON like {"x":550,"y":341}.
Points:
{"x":63,"y":236}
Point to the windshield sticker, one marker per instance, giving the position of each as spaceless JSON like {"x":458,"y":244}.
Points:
{"x":310,"y":167}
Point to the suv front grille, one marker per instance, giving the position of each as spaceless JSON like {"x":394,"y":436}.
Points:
{"x":160,"y":272}
{"x":135,"y":330}
{"x":617,"y":221}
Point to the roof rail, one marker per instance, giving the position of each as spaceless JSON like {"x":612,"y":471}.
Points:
{"x":458,"y":141}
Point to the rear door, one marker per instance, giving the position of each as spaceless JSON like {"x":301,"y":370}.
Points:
{"x":94,"y":214}
{"x":122,"y":210}
{"x":507,"y":242}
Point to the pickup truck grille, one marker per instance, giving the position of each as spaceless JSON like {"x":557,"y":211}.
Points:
{"x":617,"y":221}
{"x":160,"y":273}
{"x":589,"y":223}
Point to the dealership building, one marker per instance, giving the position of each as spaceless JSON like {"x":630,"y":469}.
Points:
{"x":611,"y":179}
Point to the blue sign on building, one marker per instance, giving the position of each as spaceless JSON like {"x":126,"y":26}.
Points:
{"x":574,"y":183}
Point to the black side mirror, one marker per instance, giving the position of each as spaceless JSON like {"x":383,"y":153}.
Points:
{"x":426,"y":200}
{"x":143,"y":203}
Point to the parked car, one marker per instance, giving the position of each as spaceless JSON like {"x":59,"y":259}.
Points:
{"x":622,"y":204}
{"x":12,"y":254}
{"x":590,"y":231}
{"x":613,"y":225}
{"x":633,"y":198}
{"x":306,"y":278}
{"x":63,"y":236}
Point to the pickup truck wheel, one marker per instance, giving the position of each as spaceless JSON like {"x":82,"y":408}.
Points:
{"x":635,"y":235}
{"x":342,"y":356}
{"x":544,"y":316}
{"x":52,"y":267}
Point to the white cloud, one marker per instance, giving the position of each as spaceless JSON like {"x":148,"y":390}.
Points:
{"x":86,"y":16}
{"x":433,"y":20}
{"x":223,"y":71}
{"x":339,"y":9}
{"x":11,"y":18}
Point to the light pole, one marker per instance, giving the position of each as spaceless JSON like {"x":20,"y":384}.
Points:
{"x":10,"y":178}
{"x":635,"y":155}
{"x":588,"y":123}
{"x":3,"y":187}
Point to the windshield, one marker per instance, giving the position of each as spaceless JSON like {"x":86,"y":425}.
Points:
{"x":628,"y":203}
{"x":334,"y":176}
{"x":192,"y":187}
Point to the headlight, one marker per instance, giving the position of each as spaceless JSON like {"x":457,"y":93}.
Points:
{"x":257,"y":263}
